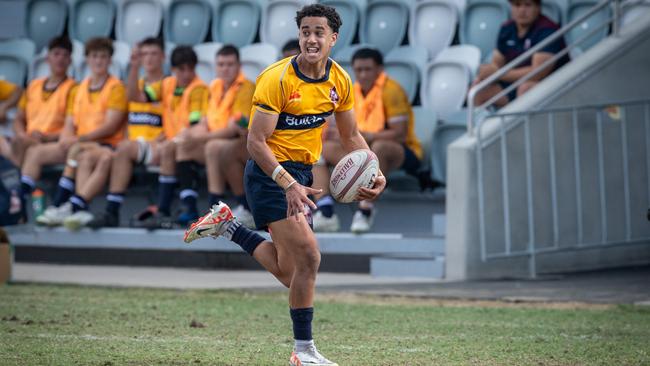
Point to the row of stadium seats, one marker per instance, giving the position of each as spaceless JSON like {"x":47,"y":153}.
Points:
{"x":386,"y":24}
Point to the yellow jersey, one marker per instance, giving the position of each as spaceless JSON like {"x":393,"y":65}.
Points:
{"x":302,"y":105}
{"x":145,"y":119}
{"x":6,"y":89}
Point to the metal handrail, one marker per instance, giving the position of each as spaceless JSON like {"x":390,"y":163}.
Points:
{"x":471,"y":95}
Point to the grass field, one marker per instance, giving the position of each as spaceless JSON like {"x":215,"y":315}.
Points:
{"x":69,"y":325}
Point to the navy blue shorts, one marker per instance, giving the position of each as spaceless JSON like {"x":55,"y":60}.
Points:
{"x":266,"y":199}
{"x":411,"y":163}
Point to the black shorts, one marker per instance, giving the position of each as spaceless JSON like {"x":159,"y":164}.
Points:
{"x":266,"y":199}
{"x":411,"y":163}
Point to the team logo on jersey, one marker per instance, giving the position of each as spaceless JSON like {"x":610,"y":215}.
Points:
{"x":295,"y":96}
{"x":334,"y":96}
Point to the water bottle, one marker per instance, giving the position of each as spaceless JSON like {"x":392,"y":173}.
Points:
{"x":38,"y":202}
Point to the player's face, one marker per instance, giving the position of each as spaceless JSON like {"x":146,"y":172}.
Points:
{"x":524,"y":12}
{"x":59,"y":60}
{"x":98,"y":62}
{"x":227,"y":68}
{"x":366,"y":71}
{"x":152,"y":58}
{"x":316,"y":39}
{"x":184,"y":74}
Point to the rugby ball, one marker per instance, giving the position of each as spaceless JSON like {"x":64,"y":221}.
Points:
{"x":355,"y":170}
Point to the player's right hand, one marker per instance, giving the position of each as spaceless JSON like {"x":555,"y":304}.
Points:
{"x":298,"y":201}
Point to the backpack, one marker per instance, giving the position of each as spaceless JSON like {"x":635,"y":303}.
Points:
{"x":11,"y":206}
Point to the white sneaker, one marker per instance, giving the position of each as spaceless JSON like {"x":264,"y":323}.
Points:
{"x":78,"y":220}
{"x":309,"y":357}
{"x":324,"y":224}
{"x":244,"y":216}
{"x":54,"y":216}
{"x":214,"y":223}
{"x":362,"y":223}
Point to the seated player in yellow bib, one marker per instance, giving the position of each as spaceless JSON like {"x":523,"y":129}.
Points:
{"x":385,"y":119}
{"x":292,"y":100}
{"x":9,"y":96}
{"x":42,"y":108}
{"x":96,"y":125}
{"x":220,"y":141}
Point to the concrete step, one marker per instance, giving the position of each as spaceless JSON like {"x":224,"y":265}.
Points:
{"x":408,"y":266}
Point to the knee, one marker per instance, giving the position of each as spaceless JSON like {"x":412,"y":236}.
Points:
{"x":213,"y":147}
{"x":379,"y":147}
{"x":105,"y":159}
{"x":308,"y":259}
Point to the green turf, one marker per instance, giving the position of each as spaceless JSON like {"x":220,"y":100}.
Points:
{"x":69,"y":325}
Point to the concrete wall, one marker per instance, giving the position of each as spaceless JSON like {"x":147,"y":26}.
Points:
{"x":614,"y":70}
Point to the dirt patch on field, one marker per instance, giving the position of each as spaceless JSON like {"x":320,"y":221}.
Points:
{"x":511,"y":302}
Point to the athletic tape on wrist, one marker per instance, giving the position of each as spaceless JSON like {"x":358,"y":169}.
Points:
{"x":276,"y":171}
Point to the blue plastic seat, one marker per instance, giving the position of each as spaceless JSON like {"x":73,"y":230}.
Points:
{"x":45,"y":20}
{"x":344,"y":57}
{"x":187,"y":21}
{"x":384,"y":24}
{"x":426,"y":121}
{"x":235,"y":22}
{"x":206,"y":53}
{"x":433,"y":25}
{"x":91,"y":18}
{"x":350,"y":12}
{"x":256,"y":57}
{"x":633,"y":10}
{"x":403,"y":64}
{"x":137,"y":20}
{"x":16,"y":55}
{"x":553,"y":10}
{"x":444,"y":86}
{"x":576,"y":9}
{"x":13,"y":69}
{"x":278,"y":23}
{"x":481,"y":22}
{"x":443,"y":136}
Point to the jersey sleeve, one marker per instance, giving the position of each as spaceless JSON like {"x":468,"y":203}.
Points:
{"x":198,"y":103}
{"x":22,"y":103}
{"x":268,"y":95}
{"x":117,"y":99}
{"x":346,"y":102}
{"x":395,"y":100}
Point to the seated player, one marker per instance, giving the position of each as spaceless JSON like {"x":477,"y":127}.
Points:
{"x":146,"y":139}
{"x":385,"y":119}
{"x":291,"y":48}
{"x":9,"y":96}
{"x":527,"y":28}
{"x":221,"y":144}
{"x":41,"y":110}
{"x":95,"y":125}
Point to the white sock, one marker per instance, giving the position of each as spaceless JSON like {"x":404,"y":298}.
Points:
{"x":301,"y":345}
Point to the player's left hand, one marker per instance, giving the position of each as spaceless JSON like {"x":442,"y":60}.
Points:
{"x":374,"y":192}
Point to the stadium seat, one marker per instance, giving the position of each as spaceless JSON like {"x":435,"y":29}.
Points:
{"x":480,"y":24}
{"x":12,"y":19}
{"x":443,"y":136}
{"x":404,"y":64}
{"x":466,"y":54}
{"x":633,"y":10}
{"x":432,"y":25}
{"x":120,"y":61}
{"x":206,"y":53}
{"x":137,"y":20}
{"x":575,"y":10}
{"x":45,"y":19}
{"x":553,"y":10}
{"x":425,"y":123}
{"x":444,"y":86}
{"x":91,"y":18}
{"x":235,"y":22}
{"x":278,"y":23}
{"x":256,"y":57}
{"x":384,"y":24}
{"x":350,"y":12}
{"x":13,"y":69}
{"x":344,"y":56}
{"x":187,"y":21}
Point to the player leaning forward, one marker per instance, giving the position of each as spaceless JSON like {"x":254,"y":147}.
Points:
{"x":293,"y":97}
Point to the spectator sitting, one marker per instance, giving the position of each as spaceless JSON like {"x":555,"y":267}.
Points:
{"x":9,"y":96}
{"x":222,"y":144}
{"x":385,"y":119}
{"x":146,"y":141}
{"x":96,"y":125}
{"x":527,"y":28}
{"x":291,"y":48}
{"x":41,"y":110}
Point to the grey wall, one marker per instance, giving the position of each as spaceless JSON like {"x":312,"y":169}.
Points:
{"x":614,"y":70}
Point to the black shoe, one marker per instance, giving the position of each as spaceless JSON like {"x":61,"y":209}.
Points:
{"x":104,"y":219}
{"x":159,"y":221}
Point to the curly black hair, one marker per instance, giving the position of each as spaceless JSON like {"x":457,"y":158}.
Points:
{"x":320,"y":10}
